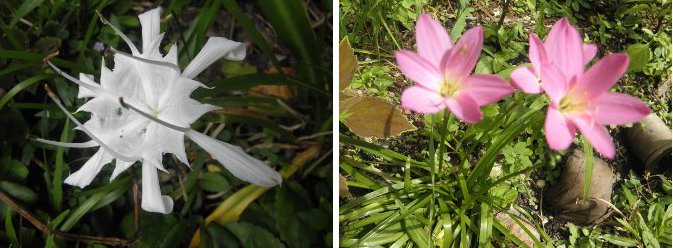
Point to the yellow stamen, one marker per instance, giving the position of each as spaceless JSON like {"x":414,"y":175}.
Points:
{"x":448,"y":88}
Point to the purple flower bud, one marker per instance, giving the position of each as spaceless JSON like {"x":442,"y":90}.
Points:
{"x":98,"y":46}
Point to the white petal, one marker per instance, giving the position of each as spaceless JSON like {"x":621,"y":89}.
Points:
{"x":150,"y":22}
{"x":184,"y":113}
{"x":172,"y":55}
{"x":91,"y":134}
{"x":152,"y":200}
{"x":90,"y":169}
{"x":166,"y":140}
{"x":83,"y":91}
{"x":95,"y":88}
{"x":215,"y":48}
{"x":152,"y":154}
{"x":237,"y":161}
{"x":120,"y":166}
{"x":152,"y":52}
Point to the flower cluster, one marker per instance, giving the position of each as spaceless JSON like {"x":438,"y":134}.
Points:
{"x":580,"y":99}
{"x":442,"y":73}
{"x":142,"y":109}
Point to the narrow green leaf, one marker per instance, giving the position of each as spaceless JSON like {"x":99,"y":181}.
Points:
{"x":248,"y":81}
{"x":57,"y":182}
{"x":483,"y":167}
{"x":268,"y":124}
{"x":21,"y":86}
{"x":59,"y":218}
{"x":26,"y":7}
{"x":9,"y":228}
{"x":81,"y":211}
{"x":19,"y":191}
{"x":415,"y":205}
{"x":459,"y":24}
{"x":196,"y":33}
{"x":485,"y":225}
{"x":34,"y":57}
{"x":588,"y":167}
{"x":381,"y":152}
{"x":290,"y":20}
{"x":618,"y":240}
{"x":91,"y":26}
{"x":254,"y":33}
{"x":90,"y":204}
{"x":15,"y":67}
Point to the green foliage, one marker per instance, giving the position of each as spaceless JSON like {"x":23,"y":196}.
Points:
{"x":584,"y":237}
{"x":371,"y":17}
{"x":647,"y":218}
{"x":373,"y":79}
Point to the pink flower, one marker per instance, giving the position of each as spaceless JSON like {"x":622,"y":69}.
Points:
{"x":563,"y":48}
{"x":582,"y":101}
{"x":442,"y":73}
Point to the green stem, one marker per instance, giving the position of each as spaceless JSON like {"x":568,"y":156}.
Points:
{"x":432,"y":154}
{"x":433,"y":172}
{"x":588,"y":167}
{"x":442,"y":146}
{"x":505,"y":8}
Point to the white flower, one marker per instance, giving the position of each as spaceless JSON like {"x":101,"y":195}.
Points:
{"x":142,"y":109}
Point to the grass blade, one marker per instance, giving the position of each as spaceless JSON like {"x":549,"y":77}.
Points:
{"x":249,"y":27}
{"x":588,"y":167}
{"x":9,"y":228}
{"x":121,"y":184}
{"x":57,"y":182}
{"x":23,"y":85}
{"x":25,"y":8}
{"x":290,"y":20}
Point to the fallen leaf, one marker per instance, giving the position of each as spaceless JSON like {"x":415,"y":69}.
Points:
{"x":374,"y":117}
{"x":343,"y":187}
{"x":347,"y":64}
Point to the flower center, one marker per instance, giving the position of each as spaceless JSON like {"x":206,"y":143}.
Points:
{"x":568,"y":104}
{"x":154,"y":112}
{"x":449,"y":88}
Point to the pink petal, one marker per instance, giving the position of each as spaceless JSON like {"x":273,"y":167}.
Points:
{"x":486,"y":89}
{"x":564,"y":48}
{"x":589,"y":52}
{"x":422,"y":100}
{"x":462,"y":58}
{"x":558,"y":130}
{"x":536,"y":53}
{"x":465,"y":108}
{"x":554,"y":83}
{"x":419,"y":70}
{"x":524,"y":78}
{"x":596,"y":134}
{"x":602,"y":75}
{"x":432,"y":40}
{"x":619,"y":109}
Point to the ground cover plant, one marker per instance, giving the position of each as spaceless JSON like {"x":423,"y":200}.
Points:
{"x":100,"y":158}
{"x":418,"y":175}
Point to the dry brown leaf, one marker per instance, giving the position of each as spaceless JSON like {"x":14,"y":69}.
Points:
{"x":347,"y":64}
{"x":374,"y":117}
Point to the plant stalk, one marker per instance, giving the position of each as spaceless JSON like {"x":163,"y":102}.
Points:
{"x":110,"y":241}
